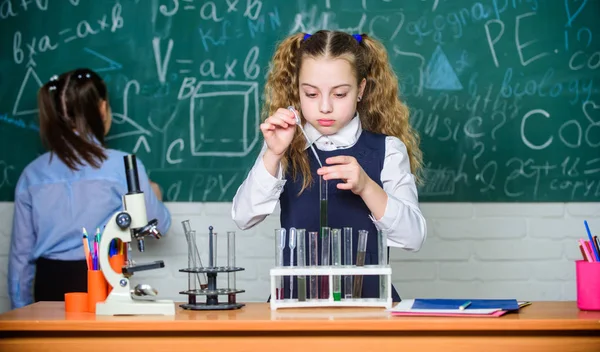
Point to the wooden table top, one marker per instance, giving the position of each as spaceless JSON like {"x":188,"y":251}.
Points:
{"x":50,"y":316}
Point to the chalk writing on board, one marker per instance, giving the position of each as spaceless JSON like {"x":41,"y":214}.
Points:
{"x":18,"y":122}
{"x":202,"y":184}
{"x":7,"y":174}
{"x":439,"y":74}
{"x":204,"y":92}
{"x":504,"y":94}
{"x":123,"y":118}
{"x":30,"y":78}
{"x":112,"y":65}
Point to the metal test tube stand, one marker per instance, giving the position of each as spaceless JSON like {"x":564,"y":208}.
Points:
{"x":212,"y":292}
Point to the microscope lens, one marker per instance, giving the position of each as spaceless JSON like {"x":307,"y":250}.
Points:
{"x":131,"y":173}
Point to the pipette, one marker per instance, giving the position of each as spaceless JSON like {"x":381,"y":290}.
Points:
{"x":279,"y":247}
{"x":292,"y":246}
{"x":299,"y":124}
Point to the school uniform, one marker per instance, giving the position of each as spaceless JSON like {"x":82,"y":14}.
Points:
{"x":383,"y":158}
{"x":52,"y":205}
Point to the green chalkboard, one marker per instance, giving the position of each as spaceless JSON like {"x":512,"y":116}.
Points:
{"x":503,"y":92}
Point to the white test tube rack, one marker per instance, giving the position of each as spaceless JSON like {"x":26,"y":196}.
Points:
{"x":383,"y":271}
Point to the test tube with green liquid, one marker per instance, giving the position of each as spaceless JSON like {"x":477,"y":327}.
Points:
{"x":323,"y":202}
{"x":336,"y":250}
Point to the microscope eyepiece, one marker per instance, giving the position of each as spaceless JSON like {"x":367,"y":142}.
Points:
{"x":131,"y":173}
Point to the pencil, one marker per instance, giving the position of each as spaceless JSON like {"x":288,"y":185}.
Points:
{"x":592,"y":244}
{"x":86,"y":248}
{"x":583,"y":252}
{"x":465,"y":305}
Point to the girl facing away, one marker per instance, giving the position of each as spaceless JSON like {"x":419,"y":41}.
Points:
{"x":77,"y":183}
{"x":346,"y":93}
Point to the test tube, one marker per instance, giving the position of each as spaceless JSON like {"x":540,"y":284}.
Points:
{"x":231,"y":264}
{"x":279,"y":247}
{"x":198,"y":262}
{"x":313,"y":257}
{"x":336,"y":250}
{"x":323,"y":202}
{"x":186,"y":227}
{"x":382,"y":261}
{"x":301,"y":254}
{"x":325,"y":245}
{"x":348,"y":261}
{"x":360,"y":261}
{"x":191,"y":262}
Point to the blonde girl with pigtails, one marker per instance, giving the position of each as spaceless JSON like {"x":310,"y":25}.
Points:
{"x":346,"y":93}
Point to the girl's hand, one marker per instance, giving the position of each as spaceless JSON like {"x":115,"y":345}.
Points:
{"x":278,"y":131}
{"x":347,"y":169}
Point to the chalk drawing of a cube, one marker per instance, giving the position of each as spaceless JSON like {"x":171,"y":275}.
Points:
{"x":224,"y":118}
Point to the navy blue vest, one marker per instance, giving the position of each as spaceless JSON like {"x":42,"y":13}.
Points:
{"x":345,"y":209}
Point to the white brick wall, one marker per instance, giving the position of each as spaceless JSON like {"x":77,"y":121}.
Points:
{"x":526,"y":251}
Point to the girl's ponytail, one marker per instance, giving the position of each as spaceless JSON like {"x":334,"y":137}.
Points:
{"x":71,"y":122}
{"x":55,"y":128}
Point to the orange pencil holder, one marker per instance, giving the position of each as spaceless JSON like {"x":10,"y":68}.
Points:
{"x":76,"y":302}
{"x":116,"y":263}
{"x":97,"y":289}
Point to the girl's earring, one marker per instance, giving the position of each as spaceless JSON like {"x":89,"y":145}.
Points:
{"x":359,"y":98}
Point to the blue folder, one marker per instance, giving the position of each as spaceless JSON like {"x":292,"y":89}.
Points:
{"x":438,"y":303}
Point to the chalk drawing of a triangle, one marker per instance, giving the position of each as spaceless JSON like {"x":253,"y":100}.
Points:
{"x":142,"y":141}
{"x":112,"y":65}
{"x":31,"y":92}
{"x":125,"y":126}
{"x":439,"y":74}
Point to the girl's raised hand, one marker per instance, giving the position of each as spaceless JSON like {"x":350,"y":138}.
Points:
{"x":347,"y":169}
{"x":278,"y":130}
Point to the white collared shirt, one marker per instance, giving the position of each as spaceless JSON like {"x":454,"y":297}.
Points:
{"x":402,"y":220}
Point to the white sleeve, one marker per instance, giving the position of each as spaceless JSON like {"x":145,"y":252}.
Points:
{"x":257,"y":196}
{"x":402,"y":220}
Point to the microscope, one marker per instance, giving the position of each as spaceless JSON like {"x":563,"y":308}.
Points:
{"x":127,"y":225}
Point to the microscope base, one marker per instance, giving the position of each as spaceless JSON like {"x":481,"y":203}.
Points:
{"x":158,"y":307}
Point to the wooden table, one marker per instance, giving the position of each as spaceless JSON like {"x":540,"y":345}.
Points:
{"x":543,"y":326}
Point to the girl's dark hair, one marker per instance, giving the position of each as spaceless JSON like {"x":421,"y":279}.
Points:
{"x":71,"y":123}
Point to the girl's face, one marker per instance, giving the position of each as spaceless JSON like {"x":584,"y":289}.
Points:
{"x":328,"y":93}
